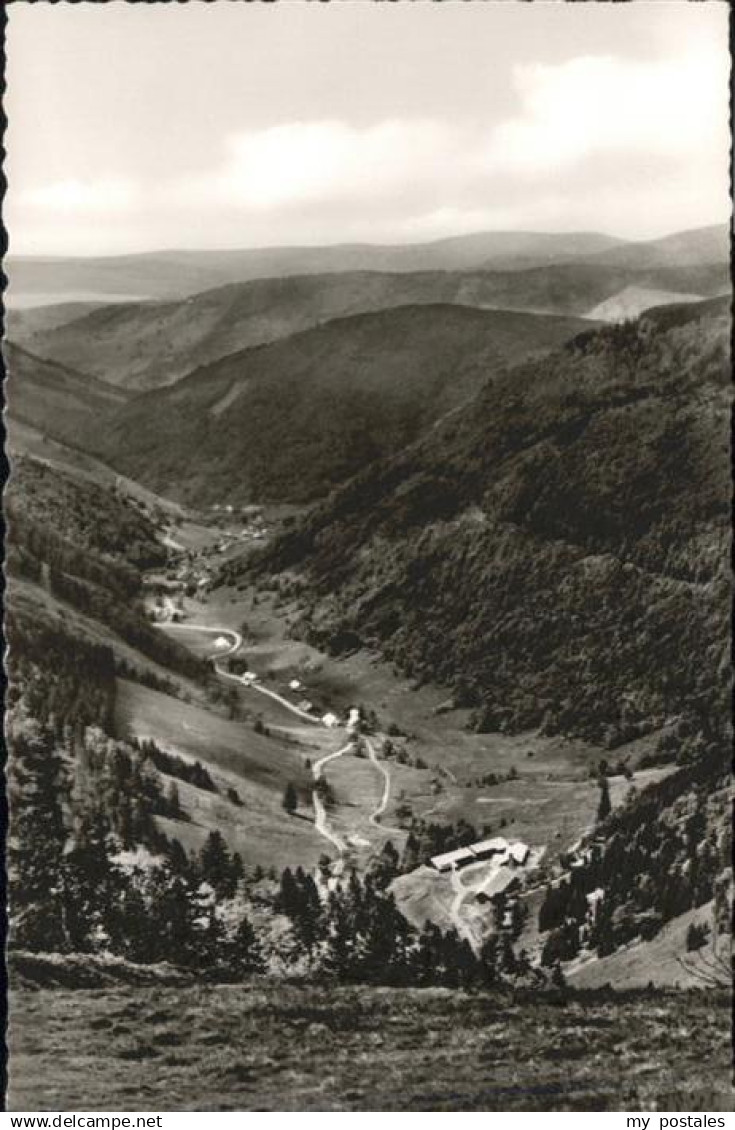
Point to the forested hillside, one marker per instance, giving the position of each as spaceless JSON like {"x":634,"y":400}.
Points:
{"x":57,"y":401}
{"x":556,"y":553}
{"x":143,"y":345}
{"x":91,"y":516}
{"x":666,"y":852}
{"x":86,"y":545}
{"x":287,"y":421}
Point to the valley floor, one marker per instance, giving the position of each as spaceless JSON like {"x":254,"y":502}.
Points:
{"x":262,"y":1047}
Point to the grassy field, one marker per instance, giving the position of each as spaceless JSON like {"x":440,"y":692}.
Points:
{"x":554,"y":798}
{"x":267,"y":1047}
{"x":258,"y":767}
{"x":663,"y":961}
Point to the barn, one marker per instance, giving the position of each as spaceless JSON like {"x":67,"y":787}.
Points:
{"x":486,"y":849}
{"x":450,"y":860}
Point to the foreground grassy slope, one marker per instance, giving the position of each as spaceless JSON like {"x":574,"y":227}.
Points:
{"x":289,"y":420}
{"x":266,"y":1047}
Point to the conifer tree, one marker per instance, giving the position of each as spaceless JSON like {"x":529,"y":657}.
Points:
{"x":92,"y":884}
{"x":246,"y":954}
{"x":37,"y":840}
{"x":605,"y":807}
{"x":215,"y":865}
{"x":290,"y":799}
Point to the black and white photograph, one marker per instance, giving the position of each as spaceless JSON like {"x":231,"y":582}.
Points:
{"x":368,"y":558}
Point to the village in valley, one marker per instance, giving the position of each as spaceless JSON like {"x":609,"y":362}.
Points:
{"x":475,"y":887}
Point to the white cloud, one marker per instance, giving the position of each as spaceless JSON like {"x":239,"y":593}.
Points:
{"x":601,"y":105}
{"x":307,"y":162}
{"x":628,"y":146}
{"x":82,"y":196}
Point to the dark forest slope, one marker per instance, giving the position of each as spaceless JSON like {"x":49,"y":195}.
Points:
{"x":557,"y":551}
{"x":52,"y":398}
{"x":288,"y":421}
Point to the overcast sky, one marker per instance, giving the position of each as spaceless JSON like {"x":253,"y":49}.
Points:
{"x":140,"y":126}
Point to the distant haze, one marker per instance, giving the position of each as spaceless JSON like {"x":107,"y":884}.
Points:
{"x":134,"y":127}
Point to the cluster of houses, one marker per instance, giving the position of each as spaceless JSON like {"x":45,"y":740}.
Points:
{"x":329,"y":719}
{"x":498,"y":850}
{"x":582,"y":855}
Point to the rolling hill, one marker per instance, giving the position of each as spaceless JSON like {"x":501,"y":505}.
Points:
{"x":289,"y":420}
{"x":55,"y":400}
{"x":150,"y":344}
{"x":21,"y":324}
{"x":176,"y":274}
{"x":695,"y":248}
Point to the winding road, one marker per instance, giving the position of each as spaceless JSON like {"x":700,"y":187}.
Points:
{"x":320,"y":813}
{"x":237,"y":642}
{"x":374,"y":816}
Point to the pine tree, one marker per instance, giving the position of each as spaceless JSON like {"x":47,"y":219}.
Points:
{"x":130,"y":928}
{"x":605,"y":807}
{"x":246,"y":955}
{"x":342,"y":945}
{"x":216,"y":865}
{"x":489,"y":962}
{"x":172,"y":920}
{"x":92,"y":884}
{"x":410,"y":858}
{"x":37,"y":841}
{"x":173,"y":802}
{"x":178,"y":860}
{"x":290,"y":799}
{"x":558,"y":980}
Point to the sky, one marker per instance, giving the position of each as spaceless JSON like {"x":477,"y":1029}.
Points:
{"x":135,"y":127}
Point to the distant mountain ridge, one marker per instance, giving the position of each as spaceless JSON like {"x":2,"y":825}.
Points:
{"x":176,"y":274}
